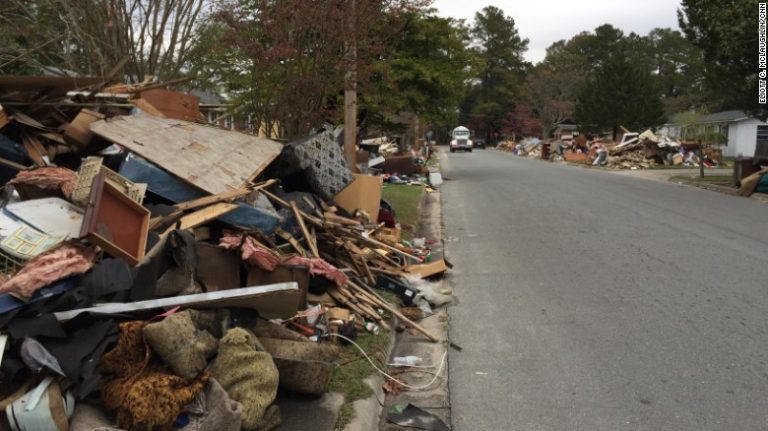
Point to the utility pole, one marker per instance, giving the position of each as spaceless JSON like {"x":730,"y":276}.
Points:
{"x":350,"y":89}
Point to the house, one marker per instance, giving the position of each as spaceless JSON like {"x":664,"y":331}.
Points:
{"x":742,"y":130}
{"x":565,"y":131}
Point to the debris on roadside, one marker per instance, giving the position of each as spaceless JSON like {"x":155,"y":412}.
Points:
{"x":634,"y":151}
{"x":158,"y":272}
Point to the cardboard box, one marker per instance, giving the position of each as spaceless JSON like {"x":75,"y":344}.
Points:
{"x":363,"y":193}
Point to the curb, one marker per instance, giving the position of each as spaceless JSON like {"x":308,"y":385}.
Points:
{"x":367,"y":411}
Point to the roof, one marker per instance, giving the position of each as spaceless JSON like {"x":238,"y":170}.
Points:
{"x":207,"y":98}
{"x":723,"y":117}
{"x":566,"y":127}
{"x":461,"y":129}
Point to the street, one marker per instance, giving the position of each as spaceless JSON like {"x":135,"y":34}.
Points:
{"x":593,"y":301}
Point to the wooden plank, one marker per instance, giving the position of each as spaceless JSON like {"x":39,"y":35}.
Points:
{"x":221,"y":197}
{"x":428,"y":269}
{"x":210,"y":158}
{"x":201,"y":216}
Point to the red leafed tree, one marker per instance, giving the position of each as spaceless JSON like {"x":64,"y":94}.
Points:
{"x":522,"y":121}
{"x":285,"y":60}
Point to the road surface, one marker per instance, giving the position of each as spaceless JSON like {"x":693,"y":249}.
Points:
{"x":594,"y":301}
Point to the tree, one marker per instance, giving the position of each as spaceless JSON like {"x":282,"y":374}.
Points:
{"x":553,"y":86}
{"x":500,"y":73}
{"x":726,"y":32}
{"x":619,"y":94}
{"x":521,"y":122}
{"x":678,"y":67}
{"x":286,"y":60}
{"x":551,"y":92}
{"x":87,"y":37}
{"x":422,"y":72}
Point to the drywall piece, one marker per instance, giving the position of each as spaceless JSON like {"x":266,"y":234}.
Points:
{"x":213,"y":159}
{"x":115,"y":222}
{"x":364,"y":193}
{"x":271,"y":301}
{"x":53,"y":216}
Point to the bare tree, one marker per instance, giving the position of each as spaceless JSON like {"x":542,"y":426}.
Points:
{"x":158,"y":36}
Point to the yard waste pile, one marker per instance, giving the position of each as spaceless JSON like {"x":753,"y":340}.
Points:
{"x":158,"y":272}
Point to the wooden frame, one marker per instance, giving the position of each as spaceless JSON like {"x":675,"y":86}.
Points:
{"x":115,"y":222}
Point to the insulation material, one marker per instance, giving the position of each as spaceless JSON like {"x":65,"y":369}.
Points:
{"x":318,"y":266}
{"x":251,"y":251}
{"x":48,"y":178}
{"x":69,"y":258}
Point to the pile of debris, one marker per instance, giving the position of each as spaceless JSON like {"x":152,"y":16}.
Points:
{"x":528,"y":147}
{"x":159,"y":272}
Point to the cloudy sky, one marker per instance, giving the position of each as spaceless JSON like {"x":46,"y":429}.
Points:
{"x":546,"y":21}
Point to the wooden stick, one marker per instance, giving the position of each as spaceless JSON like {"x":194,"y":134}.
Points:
{"x":390,"y":248}
{"x":300,"y":220}
{"x":13,"y":165}
{"x":284,"y":203}
{"x":291,"y":240}
{"x":408,"y":322}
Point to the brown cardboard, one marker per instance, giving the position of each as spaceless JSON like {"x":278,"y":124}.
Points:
{"x":282,"y":274}
{"x":217,"y":269}
{"x":428,"y":269}
{"x":364,"y":193}
{"x":78,"y":132}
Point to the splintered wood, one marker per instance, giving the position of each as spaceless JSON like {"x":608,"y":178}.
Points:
{"x":346,"y":244}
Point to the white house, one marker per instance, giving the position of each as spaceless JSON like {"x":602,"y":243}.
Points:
{"x":743,"y":131}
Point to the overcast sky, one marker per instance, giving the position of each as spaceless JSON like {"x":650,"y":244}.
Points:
{"x":546,"y":21}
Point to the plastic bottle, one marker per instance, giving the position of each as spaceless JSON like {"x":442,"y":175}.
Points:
{"x":406,"y":361}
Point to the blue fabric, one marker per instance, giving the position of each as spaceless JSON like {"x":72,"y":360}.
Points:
{"x":762,"y":186}
{"x":176,"y":190}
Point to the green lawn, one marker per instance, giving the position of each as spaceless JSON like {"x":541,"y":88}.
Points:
{"x":354,"y":368}
{"x":405,"y":200}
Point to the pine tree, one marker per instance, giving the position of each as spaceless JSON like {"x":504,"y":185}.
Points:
{"x":619,"y":94}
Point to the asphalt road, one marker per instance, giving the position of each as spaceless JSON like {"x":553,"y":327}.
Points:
{"x":594,"y":301}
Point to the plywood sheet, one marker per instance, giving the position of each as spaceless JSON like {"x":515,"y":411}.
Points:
{"x":212,"y":159}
